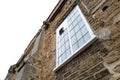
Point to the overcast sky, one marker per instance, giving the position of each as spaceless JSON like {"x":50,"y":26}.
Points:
{"x":19,"y":22}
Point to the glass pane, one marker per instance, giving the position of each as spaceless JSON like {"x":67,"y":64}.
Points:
{"x":81,"y":42}
{"x":73,"y":12}
{"x":64,"y":56}
{"x":72,"y":32}
{"x":81,"y":24}
{"x":73,"y":39}
{"x":65,"y":32}
{"x":68,"y":21}
{"x":78,"y":19}
{"x":76,"y":15}
{"x":78,"y":34}
{"x":60,"y":60}
{"x":63,"y":49}
{"x":84,"y":30}
{"x":72,"y":19}
{"x":59,"y":52}
{"x":62,"y":41}
{"x":71,"y":27}
{"x":67,"y":45}
{"x":59,"y":45}
{"x":77,"y":28}
{"x":75,"y":23}
{"x":68,"y":52}
{"x":87,"y":37}
{"x":75,"y":47}
{"x":61,"y":36}
{"x":68,"y":18}
{"x":66,"y":37}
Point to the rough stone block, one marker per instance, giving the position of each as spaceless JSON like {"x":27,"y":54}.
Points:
{"x":90,"y":78}
{"x":95,"y":69}
{"x":83,"y":76}
{"x":117,"y":69}
{"x":101,"y":74}
{"x":112,"y":57}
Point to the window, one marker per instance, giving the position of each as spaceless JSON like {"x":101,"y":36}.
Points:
{"x":72,"y":35}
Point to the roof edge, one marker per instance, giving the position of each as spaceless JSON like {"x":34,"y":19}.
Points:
{"x":56,"y":10}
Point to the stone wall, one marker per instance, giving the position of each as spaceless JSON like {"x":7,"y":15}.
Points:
{"x":99,"y":61}
{"x":28,"y":72}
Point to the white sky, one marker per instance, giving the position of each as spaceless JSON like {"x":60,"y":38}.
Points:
{"x":19,"y":22}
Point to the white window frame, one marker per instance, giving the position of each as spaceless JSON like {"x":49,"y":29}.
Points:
{"x":80,"y":49}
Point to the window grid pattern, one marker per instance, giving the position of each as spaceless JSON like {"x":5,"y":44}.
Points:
{"x":63,"y":47}
{"x":75,"y":36}
{"x":79,"y":34}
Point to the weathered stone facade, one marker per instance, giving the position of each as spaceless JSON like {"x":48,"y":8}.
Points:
{"x":99,"y":61}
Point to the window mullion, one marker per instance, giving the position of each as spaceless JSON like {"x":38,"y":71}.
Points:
{"x":69,"y":39}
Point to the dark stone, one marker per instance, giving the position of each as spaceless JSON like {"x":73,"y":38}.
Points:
{"x":101,"y":74}
{"x":104,"y":8}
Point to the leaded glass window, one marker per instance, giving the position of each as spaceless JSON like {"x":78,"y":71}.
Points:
{"x":72,"y":35}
